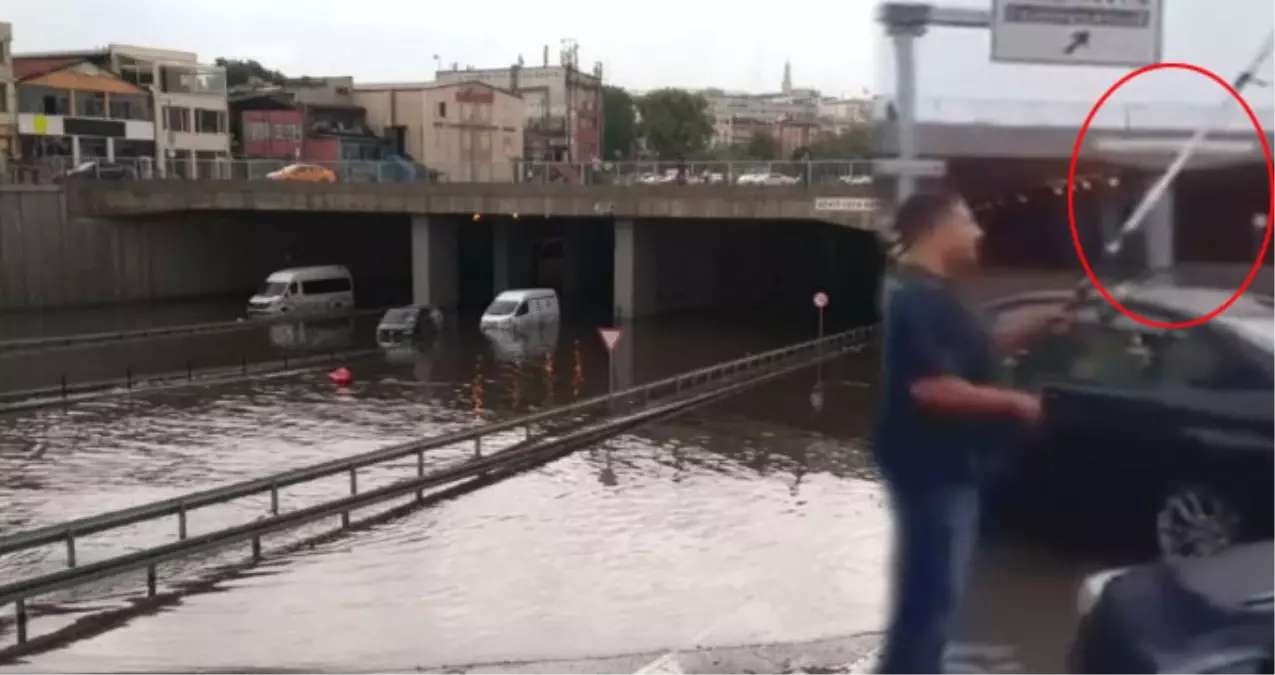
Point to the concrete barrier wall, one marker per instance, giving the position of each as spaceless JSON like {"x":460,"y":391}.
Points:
{"x":49,"y":258}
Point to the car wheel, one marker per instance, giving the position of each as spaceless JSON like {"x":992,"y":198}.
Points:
{"x":1195,"y":521}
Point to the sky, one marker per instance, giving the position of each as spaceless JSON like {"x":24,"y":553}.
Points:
{"x":643,"y":45}
{"x":1221,"y":35}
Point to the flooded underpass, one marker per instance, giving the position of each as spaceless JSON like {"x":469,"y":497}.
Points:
{"x":756,"y":521}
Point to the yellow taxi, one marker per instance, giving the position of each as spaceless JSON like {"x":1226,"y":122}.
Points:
{"x":306,"y":173}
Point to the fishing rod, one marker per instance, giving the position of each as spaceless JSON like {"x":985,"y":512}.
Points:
{"x":1156,"y":192}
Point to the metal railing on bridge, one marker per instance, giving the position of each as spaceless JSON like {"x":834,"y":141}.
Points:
{"x":746,"y":173}
{"x":700,"y":385}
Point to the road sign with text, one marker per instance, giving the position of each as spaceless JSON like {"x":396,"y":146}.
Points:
{"x":1078,"y":32}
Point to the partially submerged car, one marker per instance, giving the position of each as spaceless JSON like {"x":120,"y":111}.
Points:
{"x":404,"y":325}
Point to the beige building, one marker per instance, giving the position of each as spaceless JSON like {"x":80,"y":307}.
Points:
{"x":8,"y":97}
{"x":469,"y":131}
{"x":192,"y":132}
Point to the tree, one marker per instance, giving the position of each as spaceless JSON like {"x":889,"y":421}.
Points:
{"x":619,"y":124}
{"x":240,"y":72}
{"x":675,"y":122}
{"x":853,"y":144}
{"x":762,"y":145}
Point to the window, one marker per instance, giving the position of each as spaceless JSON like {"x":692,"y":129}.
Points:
{"x":176,"y":119}
{"x":4,"y":96}
{"x":4,"y":51}
{"x":287,"y":132}
{"x":209,"y":121}
{"x":442,"y":109}
{"x":125,"y":107}
{"x":90,"y":104}
{"x":257,"y":131}
{"x":1199,"y":358}
{"x":324,"y":286}
{"x":522,"y":310}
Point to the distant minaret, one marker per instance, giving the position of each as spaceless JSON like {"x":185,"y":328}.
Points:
{"x":787,"y":85}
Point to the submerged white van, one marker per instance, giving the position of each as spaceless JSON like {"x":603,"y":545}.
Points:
{"x":304,"y":289}
{"x":521,"y":308}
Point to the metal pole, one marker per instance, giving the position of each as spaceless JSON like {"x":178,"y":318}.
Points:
{"x":904,"y":38}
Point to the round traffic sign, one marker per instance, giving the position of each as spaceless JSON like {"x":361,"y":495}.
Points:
{"x":821,"y":299}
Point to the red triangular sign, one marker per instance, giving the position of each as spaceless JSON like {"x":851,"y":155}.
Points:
{"x":610,"y":336}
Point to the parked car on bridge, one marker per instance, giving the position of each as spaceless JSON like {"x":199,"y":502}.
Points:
{"x":100,"y":170}
{"x":1158,"y":437}
{"x":305,"y":173}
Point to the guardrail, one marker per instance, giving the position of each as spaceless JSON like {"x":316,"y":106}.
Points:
{"x":82,"y":339}
{"x":742,"y":172}
{"x":69,"y":393}
{"x":67,"y":533}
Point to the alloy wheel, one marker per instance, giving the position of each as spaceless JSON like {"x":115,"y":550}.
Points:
{"x":1195,"y":522}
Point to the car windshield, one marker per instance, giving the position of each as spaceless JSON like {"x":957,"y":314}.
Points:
{"x":400,"y":316}
{"x":272,"y":288}
{"x":502,"y":307}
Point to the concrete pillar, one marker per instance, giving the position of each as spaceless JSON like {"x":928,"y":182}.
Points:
{"x":75,"y":151}
{"x":110,"y":149}
{"x":1159,"y":230}
{"x":634,"y":269}
{"x":435,"y":276}
{"x":500,"y":256}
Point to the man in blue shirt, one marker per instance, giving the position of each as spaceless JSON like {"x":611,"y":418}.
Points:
{"x":938,"y":418}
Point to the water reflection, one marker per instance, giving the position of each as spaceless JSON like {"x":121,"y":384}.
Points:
{"x":315,"y":334}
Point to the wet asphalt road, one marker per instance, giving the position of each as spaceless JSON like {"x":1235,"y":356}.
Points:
{"x":757,"y":521}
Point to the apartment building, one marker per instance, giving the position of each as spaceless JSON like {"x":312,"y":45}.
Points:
{"x":8,"y":98}
{"x":188,"y":100}
{"x":563,"y":104}
{"x":73,"y":112}
{"x":467,"y":130}
{"x":311,"y":119}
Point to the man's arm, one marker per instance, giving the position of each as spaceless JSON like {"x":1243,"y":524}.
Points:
{"x":933,"y":368}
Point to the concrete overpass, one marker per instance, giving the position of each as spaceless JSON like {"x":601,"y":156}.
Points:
{"x":1010,"y":159}
{"x":628,"y":251}
{"x":719,"y":202}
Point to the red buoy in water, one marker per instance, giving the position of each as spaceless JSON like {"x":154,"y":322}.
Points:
{"x":341,"y":377}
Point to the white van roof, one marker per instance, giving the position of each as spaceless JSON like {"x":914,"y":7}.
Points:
{"x":307,"y":273}
{"x":520,"y":294}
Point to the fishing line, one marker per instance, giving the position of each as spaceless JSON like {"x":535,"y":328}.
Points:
{"x":1157,"y":190}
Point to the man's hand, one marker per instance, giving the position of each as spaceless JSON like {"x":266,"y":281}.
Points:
{"x":1053,"y":321}
{"x":1025,"y":407}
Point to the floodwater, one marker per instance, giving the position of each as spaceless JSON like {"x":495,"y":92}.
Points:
{"x":757,"y":520}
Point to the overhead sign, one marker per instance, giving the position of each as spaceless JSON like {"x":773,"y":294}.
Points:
{"x":610,"y":336}
{"x":920,"y":168}
{"x":821,"y":299}
{"x":1078,"y":32}
{"x":857,"y":204}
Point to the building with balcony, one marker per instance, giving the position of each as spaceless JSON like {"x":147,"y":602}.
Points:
{"x":563,"y":104}
{"x":188,"y":99}
{"x":8,"y":98}
{"x":70,"y":113}
{"x":467,"y":131}
{"x":312,"y":119}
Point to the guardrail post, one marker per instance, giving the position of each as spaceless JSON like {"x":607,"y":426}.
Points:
{"x":243,"y":361}
{"x":20,"y":613}
{"x":181,"y":521}
{"x":478,"y":446}
{"x":256,"y":549}
{"x":152,"y":580}
{"x":420,"y":473}
{"x":354,"y":480}
{"x":62,"y":387}
{"x":70,"y":548}
{"x":274,"y":498}
{"x":128,"y":377}
{"x":190,"y":371}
